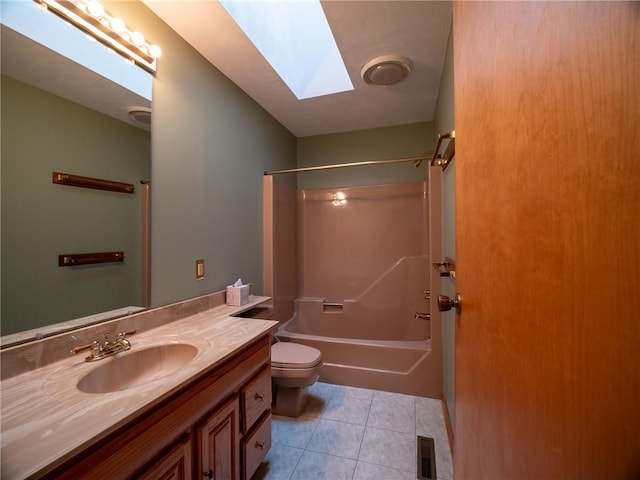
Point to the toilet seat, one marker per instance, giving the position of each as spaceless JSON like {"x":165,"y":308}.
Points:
{"x":294,"y":356}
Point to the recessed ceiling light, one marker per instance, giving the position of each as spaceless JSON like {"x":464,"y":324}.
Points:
{"x":386,"y":70}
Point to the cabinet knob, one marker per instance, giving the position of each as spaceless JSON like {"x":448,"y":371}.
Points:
{"x":208,"y":474}
{"x":259,"y":396}
{"x":260,"y":445}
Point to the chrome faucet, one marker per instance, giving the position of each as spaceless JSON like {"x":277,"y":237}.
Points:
{"x":105,"y":349}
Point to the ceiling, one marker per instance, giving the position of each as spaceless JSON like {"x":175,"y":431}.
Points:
{"x":417,"y":29}
{"x":363,"y":29}
{"x":37,"y":65}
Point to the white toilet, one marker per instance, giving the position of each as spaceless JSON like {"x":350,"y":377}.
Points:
{"x":294,"y":367}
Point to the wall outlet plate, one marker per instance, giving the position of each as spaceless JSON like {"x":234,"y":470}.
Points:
{"x":199,"y":269}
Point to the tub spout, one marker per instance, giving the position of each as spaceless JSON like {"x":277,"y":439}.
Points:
{"x":422,"y":316}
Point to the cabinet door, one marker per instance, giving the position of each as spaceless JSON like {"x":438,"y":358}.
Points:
{"x":174,"y":465}
{"x":218,"y":438}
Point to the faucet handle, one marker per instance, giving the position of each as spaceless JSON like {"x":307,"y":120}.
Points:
{"x":96,"y":348}
{"x":95,"y":345}
{"x":122,"y":340}
{"x":122,"y":337}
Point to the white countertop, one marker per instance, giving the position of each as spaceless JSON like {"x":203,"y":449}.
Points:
{"x":46,"y":419}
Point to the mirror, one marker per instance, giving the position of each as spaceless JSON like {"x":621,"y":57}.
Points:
{"x":59,"y":116}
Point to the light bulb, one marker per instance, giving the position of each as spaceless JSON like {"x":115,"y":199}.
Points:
{"x":117,"y":25}
{"x":137,"y":38}
{"x":155,"y":51}
{"x":95,"y":8}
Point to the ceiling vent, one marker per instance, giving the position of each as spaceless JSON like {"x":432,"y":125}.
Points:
{"x":386,"y":70}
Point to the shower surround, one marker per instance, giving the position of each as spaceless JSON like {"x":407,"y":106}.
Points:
{"x":354,"y":280}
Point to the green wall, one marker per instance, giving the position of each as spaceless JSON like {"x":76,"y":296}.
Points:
{"x":42,"y":133}
{"x":445,"y":122}
{"x":364,"y":145}
{"x":211,"y":144}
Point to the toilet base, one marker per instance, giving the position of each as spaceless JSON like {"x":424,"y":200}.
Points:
{"x":289,"y":401}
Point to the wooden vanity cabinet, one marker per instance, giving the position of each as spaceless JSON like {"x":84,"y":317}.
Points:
{"x":217,"y":426}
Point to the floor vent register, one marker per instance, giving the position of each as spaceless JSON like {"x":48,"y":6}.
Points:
{"x":426,"y":459}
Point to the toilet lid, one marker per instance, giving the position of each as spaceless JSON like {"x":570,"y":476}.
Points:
{"x":294,"y":355}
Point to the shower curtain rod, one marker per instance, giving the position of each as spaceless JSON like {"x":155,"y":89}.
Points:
{"x":416,"y":160}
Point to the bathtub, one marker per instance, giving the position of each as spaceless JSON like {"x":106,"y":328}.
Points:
{"x":402,"y":365}
{"x":359,"y":270}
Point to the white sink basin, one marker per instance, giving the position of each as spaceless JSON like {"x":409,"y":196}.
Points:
{"x":136,"y":367}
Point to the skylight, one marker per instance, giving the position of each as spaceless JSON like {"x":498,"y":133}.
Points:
{"x":295,"y":38}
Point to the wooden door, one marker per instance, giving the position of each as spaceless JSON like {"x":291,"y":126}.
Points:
{"x":219,"y":437}
{"x":548,"y":237}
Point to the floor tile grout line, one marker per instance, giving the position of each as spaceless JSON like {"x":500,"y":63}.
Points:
{"x":364,"y":432}
{"x":389,"y":430}
{"x":387,"y":466}
{"x":331,"y":455}
{"x":315,"y":428}
{"x":296,"y":465}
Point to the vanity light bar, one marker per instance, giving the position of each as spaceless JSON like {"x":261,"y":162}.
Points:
{"x":90,"y":17}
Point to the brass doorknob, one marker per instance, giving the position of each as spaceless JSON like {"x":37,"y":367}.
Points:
{"x":445,"y":303}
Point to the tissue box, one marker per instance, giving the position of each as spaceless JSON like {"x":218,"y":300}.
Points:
{"x":237,"y":296}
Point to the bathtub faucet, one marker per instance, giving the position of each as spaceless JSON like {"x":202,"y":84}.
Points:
{"x":422,"y":316}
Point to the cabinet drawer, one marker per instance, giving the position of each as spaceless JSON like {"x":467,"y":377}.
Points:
{"x":256,"y":398}
{"x":255,"y":447}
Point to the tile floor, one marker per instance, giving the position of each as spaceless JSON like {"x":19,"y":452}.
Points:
{"x":355,"y":434}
